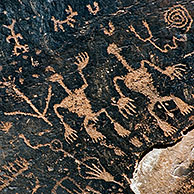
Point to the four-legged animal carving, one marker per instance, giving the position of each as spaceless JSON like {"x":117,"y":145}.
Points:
{"x":77,"y":102}
{"x":141,"y":81}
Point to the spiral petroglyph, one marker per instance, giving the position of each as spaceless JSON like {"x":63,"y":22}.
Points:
{"x":178,"y":17}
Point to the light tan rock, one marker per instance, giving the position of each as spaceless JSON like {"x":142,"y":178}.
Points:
{"x":167,"y":171}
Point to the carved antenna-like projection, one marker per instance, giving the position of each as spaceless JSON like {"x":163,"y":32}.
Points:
{"x":177,"y":17}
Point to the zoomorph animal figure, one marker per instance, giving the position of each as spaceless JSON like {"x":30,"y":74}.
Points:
{"x":77,"y":102}
{"x":16,"y":37}
{"x":141,"y":81}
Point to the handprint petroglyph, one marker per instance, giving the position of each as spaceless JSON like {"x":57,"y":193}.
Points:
{"x":125,"y":104}
{"x":77,"y":102}
{"x":140,"y":80}
{"x":5,"y":126}
{"x":184,"y":108}
{"x":93,"y":169}
{"x":175,"y":71}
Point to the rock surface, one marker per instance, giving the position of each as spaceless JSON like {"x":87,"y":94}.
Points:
{"x":169,"y":170}
{"x":88,"y":87}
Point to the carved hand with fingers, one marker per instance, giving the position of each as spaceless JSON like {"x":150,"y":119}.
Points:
{"x":126,"y":106}
{"x":175,"y":71}
{"x":93,"y":169}
{"x":70,"y":134}
{"x":167,"y":128}
{"x":183,"y":106}
{"x":82,"y":60}
{"x":94,"y":134}
{"x":121,"y":130}
{"x":98,"y":173}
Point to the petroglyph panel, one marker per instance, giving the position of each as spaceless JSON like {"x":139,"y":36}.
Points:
{"x":87,"y":88}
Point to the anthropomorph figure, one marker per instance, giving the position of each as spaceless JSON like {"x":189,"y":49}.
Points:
{"x":140,"y":80}
{"x":77,"y":102}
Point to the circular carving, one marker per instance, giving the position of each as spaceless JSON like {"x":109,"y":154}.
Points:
{"x":178,"y":17}
{"x":56,"y":145}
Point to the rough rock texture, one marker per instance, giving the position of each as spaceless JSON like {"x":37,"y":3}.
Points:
{"x":88,"y":87}
{"x":169,"y":170}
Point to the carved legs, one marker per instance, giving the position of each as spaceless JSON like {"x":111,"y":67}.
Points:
{"x":117,"y":127}
{"x":97,"y":136}
{"x":184,"y":107}
{"x":166,"y":127}
{"x":124,"y":104}
{"x":70,"y":134}
{"x":91,"y":129}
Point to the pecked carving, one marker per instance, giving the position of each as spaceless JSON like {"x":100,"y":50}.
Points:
{"x":141,"y":81}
